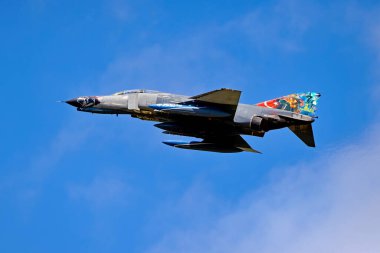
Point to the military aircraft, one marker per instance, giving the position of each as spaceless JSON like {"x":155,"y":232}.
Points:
{"x":216,"y":117}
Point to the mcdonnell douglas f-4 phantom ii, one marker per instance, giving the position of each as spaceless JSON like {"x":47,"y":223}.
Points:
{"x":216,"y":117}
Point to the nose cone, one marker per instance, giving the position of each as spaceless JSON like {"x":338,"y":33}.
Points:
{"x":83,"y":101}
{"x":73,"y":102}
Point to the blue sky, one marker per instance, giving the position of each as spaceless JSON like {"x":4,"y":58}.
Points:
{"x":76,"y":182}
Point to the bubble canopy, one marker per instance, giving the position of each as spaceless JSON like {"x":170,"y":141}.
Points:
{"x":124,"y":92}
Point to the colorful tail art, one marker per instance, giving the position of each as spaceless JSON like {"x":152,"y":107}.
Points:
{"x":303,"y":103}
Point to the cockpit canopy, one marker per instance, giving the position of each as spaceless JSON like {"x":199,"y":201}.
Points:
{"x":124,"y":92}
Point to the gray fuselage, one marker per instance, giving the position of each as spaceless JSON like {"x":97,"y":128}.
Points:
{"x":248,"y":119}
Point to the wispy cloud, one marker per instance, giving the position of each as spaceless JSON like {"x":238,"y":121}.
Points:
{"x":26,"y":182}
{"x":37,"y":6}
{"x":102,"y":192}
{"x":105,"y":198}
{"x":177,"y":64}
{"x":206,"y":56}
{"x":331,"y":204}
{"x":328,"y":205}
{"x":367,"y":24}
{"x":374,"y":35}
{"x":279,"y":27}
{"x":121,"y":10}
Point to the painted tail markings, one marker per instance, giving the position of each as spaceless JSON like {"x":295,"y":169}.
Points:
{"x":302,"y":103}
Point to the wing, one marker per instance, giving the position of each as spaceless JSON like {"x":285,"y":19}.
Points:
{"x":223,"y":99}
{"x":222,"y":144}
{"x":223,"y":96}
{"x":214,"y":104}
{"x":214,"y":139}
{"x":233,"y":141}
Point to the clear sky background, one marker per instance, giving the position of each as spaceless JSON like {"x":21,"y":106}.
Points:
{"x":76,"y":182}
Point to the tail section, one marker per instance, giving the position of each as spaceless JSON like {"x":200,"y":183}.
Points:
{"x":302,"y":103}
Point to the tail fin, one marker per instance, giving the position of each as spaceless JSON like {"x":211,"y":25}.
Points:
{"x":305,"y":133}
{"x":303,"y":103}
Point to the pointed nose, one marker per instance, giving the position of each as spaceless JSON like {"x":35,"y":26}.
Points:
{"x":73,"y":102}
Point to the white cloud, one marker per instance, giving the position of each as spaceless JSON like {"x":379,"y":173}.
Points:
{"x":179,"y":64}
{"x":119,"y":9}
{"x":38,"y":6}
{"x":101,"y":192}
{"x":331,"y":204}
{"x":328,"y":205}
{"x":279,"y":27}
{"x":366,"y":23}
{"x":203,"y":58}
{"x":26,"y":182}
{"x":68,"y":139}
{"x":375,"y":43}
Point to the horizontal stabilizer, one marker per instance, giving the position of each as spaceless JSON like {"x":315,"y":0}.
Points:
{"x":305,"y":133}
{"x":295,"y":117}
{"x":222,"y":96}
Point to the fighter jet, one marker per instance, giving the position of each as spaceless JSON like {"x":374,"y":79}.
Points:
{"x":215,"y":117}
